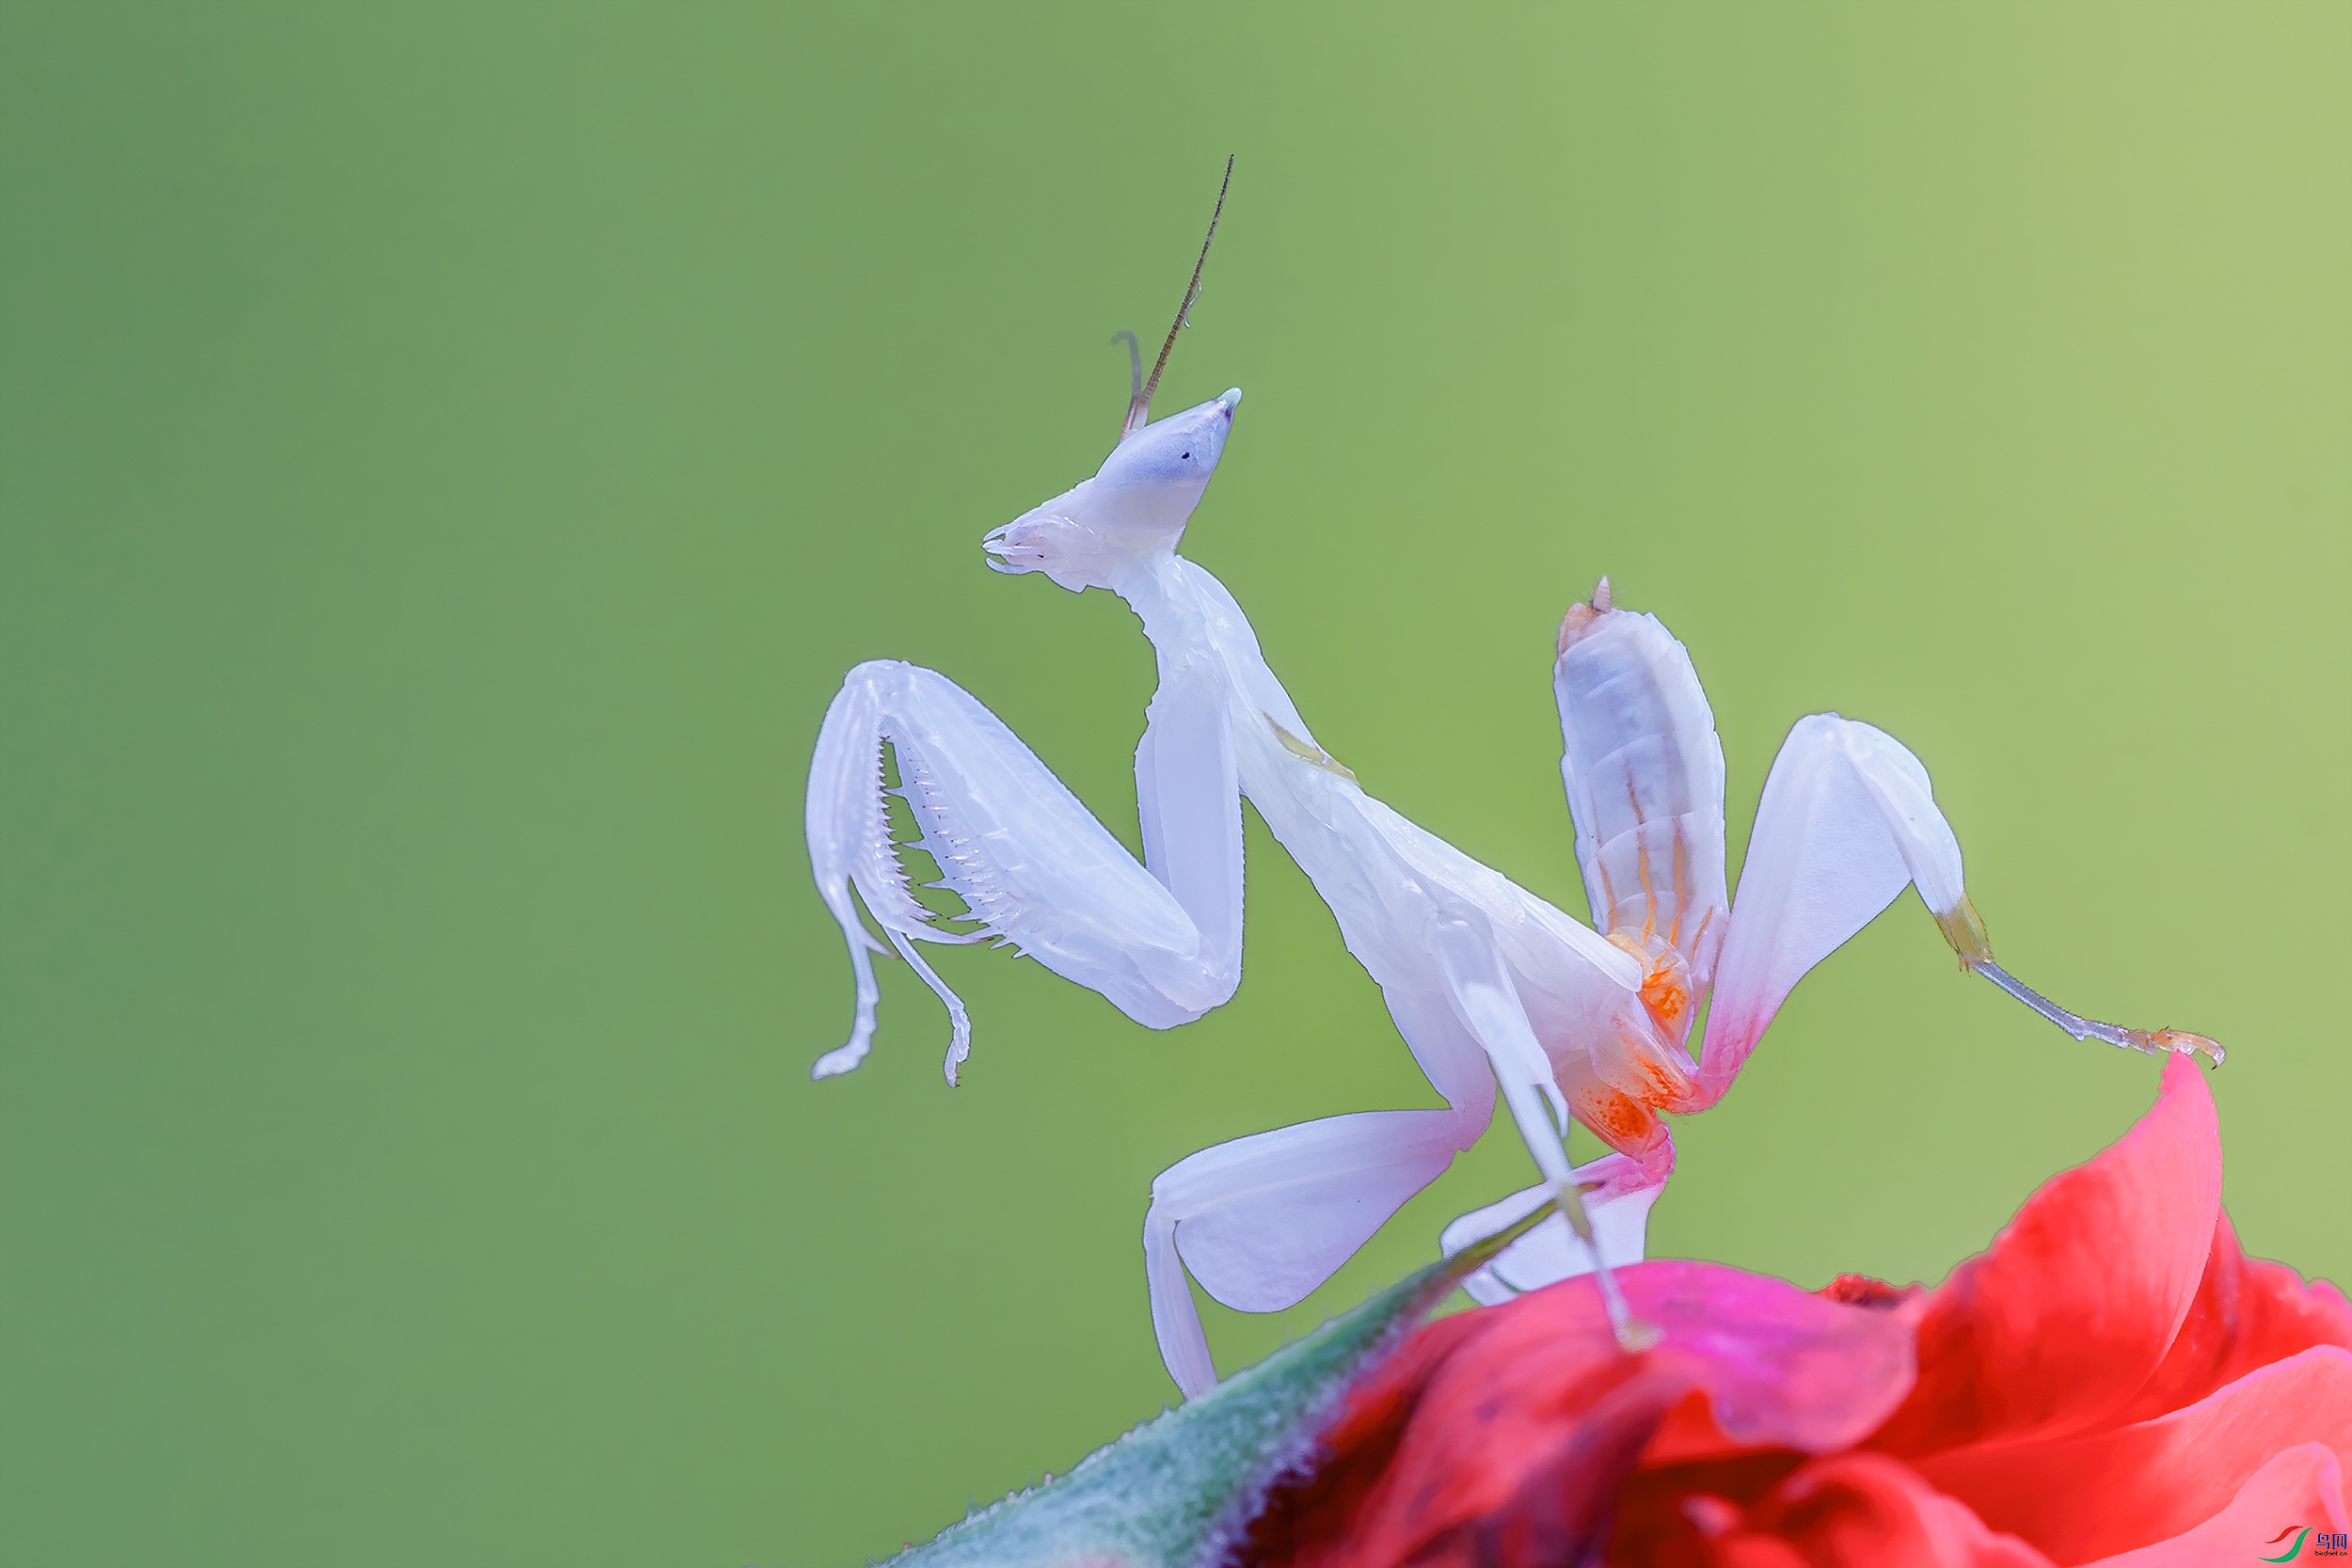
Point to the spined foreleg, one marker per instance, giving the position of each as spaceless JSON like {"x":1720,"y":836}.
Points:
{"x":1033,"y":866}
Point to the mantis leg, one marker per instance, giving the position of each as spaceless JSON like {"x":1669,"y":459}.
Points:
{"x":1488,"y":1004}
{"x":1848,"y":819}
{"x":1618,"y":1193}
{"x":1032,"y":864}
{"x":1263,"y":1220}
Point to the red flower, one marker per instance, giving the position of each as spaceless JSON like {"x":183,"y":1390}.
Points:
{"x":2113,"y":1381}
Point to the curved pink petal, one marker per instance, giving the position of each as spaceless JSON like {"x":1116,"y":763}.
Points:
{"x":2135,"y":1485}
{"x":1777,"y":1371}
{"x":2303,"y":1485}
{"x":2247,"y":1314}
{"x":2063,"y":1319}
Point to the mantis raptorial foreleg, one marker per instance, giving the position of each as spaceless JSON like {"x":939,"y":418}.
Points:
{"x":1031,"y":864}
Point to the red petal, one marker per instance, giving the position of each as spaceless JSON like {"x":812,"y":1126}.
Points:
{"x":2304,"y":1484}
{"x":1563,"y":1511}
{"x":2135,"y":1485}
{"x":1475,"y":1405}
{"x":1867,"y":1511}
{"x":1355,"y":1450}
{"x":1675,"y":1514}
{"x":2247,"y":1314}
{"x":1747,"y":1551}
{"x":2062,"y":1322}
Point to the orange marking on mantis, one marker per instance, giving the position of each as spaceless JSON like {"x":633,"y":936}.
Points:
{"x":1663,"y":992}
{"x":1682,"y":876}
{"x":1621,"y":1121}
{"x":1640,"y":856}
{"x":1661,"y":1081}
{"x":1665,"y":988}
{"x":1698,"y":943}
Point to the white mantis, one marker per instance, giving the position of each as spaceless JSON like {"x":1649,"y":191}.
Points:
{"x":1489,"y":985}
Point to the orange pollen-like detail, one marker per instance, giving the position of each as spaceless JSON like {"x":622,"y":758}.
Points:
{"x":1661,"y":1073}
{"x":1621,"y":1121}
{"x":1640,"y":857}
{"x":1700,"y":935}
{"x":1682,"y":882}
{"x":1666,"y":975}
{"x":1659,"y":1088}
{"x":1664,"y":994}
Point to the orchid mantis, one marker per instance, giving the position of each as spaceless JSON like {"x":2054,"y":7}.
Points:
{"x":1491,"y":987}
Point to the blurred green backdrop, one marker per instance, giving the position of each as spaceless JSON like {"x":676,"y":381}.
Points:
{"x":449,"y":455}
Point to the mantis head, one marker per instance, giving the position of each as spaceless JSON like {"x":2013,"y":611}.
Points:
{"x":1135,"y":507}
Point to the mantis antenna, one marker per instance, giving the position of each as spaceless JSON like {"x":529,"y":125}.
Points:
{"x":1139,"y":401}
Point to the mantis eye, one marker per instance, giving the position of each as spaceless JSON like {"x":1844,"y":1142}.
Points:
{"x":1180,"y":451}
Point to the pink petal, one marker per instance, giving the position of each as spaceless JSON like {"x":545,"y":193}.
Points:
{"x":2247,"y":1314}
{"x":2303,"y":1485}
{"x":1782,"y":1367}
{"x":2135,"y":1485}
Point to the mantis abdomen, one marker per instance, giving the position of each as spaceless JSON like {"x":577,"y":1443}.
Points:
{"x":1645,"y":777}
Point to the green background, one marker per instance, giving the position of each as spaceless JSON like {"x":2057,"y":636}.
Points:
{"x":449,"y":457}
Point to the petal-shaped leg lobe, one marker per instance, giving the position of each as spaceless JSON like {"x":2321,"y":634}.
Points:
{"x":1847,"y":819}
{"x":1263,"y":1220}
{"x":1618,"y":1197}
{"x":1175,"y":1320}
